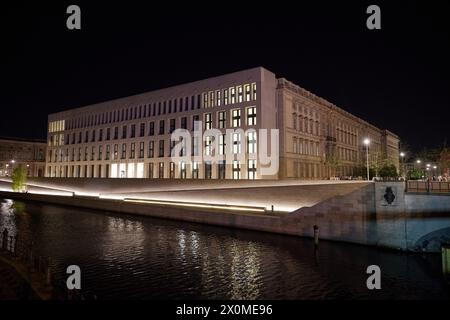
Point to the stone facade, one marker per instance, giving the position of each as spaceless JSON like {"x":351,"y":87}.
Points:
{"x":130,"y":137}
{"x":27,"y":153}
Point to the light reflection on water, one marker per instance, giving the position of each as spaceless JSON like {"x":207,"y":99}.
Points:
{"x":142,"y":258}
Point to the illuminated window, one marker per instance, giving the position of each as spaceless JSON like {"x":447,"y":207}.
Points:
{"x":251,"y":116}
{"x":251,"y":169}
{"x":247,"y":93}
{"x":251,"y":142}
{"x":225,"y":97}
{"x":161,"y":170}
{"x":236,"y":170}
{"x":233,"y":95}
{"x":133,"y":151}
{"x":218,"y":102}
{"x":240,"y":94}
{"x":222,"y":144}
{"x":208,"y":143}
{"x":195,"y":168}
{"x":254,"y":92}
{"x":236,"y":143}
{"x":222,"y":119}
{"x":236,"y":118}
{"x":183,"y":170}
{"x":208,"y":121}
{"x":205,"y":100}
{"x":171,"y":170}
{"x":211,"y":99}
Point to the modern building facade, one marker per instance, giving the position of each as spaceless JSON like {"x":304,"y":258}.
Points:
{"x":130,"y":137}
{"x":19,"y":152}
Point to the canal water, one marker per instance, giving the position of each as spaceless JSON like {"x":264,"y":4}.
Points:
{"x":131,"y":257}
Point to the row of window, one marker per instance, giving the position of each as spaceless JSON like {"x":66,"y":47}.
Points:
{"x":232,"y":95}
{"x":136,"y":170}
{"x":131,"y":130}
{"x":347,"y":154}
{"x":305,"y":111}
{"x":346,"y":137}
{"x":306,"y":147}
{"x":306,"y":125}
{"x":137,"y":150}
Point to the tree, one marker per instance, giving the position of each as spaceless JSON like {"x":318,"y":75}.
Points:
{"x":388,"y":171}
{"x":332,"y":160}
{"x":19,"y":179}
{"x":416,"y":174}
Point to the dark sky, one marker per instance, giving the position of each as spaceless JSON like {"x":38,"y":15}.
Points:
{"x":395,"y":78}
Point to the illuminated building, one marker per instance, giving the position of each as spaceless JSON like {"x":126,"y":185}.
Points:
{"x":130,"y":137}
{"x":29,"y":154}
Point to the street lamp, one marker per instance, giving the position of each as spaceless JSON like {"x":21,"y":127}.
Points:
{"x":366,"y":143}
{"x":402,"y":155}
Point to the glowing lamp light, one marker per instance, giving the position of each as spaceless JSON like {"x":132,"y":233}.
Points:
{"x":428,"y":165}
{"x":434,"y":167}
{"x":13,"y":161}
{"x":366,"y":141}
{"x":402,"y":154}
{"x":418,"y":161}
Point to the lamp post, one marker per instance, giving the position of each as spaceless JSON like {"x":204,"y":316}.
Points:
{"x":366,"y":143}
{"x":402,"y":155}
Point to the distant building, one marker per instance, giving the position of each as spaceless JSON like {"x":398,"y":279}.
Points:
{"x":130,"y":137}
{"x":21,"y":152}
{"x":444,"y":162}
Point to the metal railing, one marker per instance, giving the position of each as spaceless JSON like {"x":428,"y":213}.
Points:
{"x":429,"y":187}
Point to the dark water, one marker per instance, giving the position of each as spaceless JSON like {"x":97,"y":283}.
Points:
{"x":143,"y":258}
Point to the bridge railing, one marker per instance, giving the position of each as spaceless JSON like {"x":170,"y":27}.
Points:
{"x":429,"y":187}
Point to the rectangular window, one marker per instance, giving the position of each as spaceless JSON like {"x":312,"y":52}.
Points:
{"x":108,"y":151}
{"x":172,"y":125}
{"x":232,"y":95}
{"x":221,"y":170}
{"x":142,"y":130}
{"x":151,"y":149}
{"x":124,"y":151}
{"x":92,"y":153}
{"x":208,"y":143}
{"x":251,"y":116}
{"x":251,"y":169}
{"x":172,"y":170}
{"x":79,"y":154}
{"x":254,"y":91}
{"x":251,"y":142}
{"x":161,"y":170}
{"x":86,"y":137}
{"x":208,"y":121}
{"x":240,"y":94}
{"x":133,"y":130}
{"x":124,"y":132}
{"x":116,"y":133}
{"x":222,"y":119}
{"x":161,"y":148}
{"x":195,"y":167}
{"x":236,"y":143}
{"x":218,"y":102}
{"x":116,"y":152}
{"x":205,"y":100}
{"x":108,"y":134}
{"x":85,"y":153}
{"x":93,"y":136}
{"x":151,"y":128}
{"x":225,"y":97}
{"x":236,"y":170}
{"x":161,"y":127}
{"x":141,"y":150}
{"x":208,"y":170}
{"x":100,"y":153}
{"x":182,"y":170}
{"x":247,"y":93}
{"x":150,"y":170}
{"x":184,"y":123}
{"x":222,"y":144}
{"x":133,"y":151}
{"x":236,"y":118}
{"x":195,"y":124}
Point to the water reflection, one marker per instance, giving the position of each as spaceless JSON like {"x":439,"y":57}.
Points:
{"x":141,"y":258}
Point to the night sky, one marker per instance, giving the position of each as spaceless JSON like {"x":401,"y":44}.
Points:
{"x":395,"y":78}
